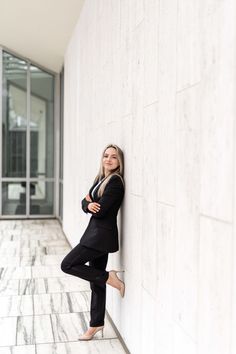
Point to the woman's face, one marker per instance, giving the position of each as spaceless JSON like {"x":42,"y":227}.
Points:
{"x":110,"y":160}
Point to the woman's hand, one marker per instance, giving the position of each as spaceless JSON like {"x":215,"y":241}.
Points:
{"x":93,"y":207}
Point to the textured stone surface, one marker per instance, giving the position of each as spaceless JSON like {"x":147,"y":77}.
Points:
{"x":158,"y":77}
{"x":42,"y":310}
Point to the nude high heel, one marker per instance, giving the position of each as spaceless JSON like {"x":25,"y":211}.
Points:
{"x":113,"y":280}
{"x":90,"y":336}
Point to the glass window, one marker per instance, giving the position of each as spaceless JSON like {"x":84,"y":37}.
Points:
{"x":27,"y":138}
{"x":13,"y":198}
{"x":41,"y":198}
{"x":14,"y":116}
{"x":41,"y":123}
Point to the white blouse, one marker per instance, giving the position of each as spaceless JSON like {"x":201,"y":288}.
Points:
{"x":96,"y":186}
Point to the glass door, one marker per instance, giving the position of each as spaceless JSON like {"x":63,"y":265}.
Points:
{"x":27,"y":133}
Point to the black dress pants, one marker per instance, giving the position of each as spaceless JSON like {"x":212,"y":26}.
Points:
{"x":95,"y":273}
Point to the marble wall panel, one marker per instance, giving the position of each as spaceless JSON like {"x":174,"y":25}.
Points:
{"x":215,"y":276}
{"x":182,"y":342}
{"x":132,"y":235}
{"x":149,"y":179}
{"x":126,"y":77}
{"x":218,"y":108}
{"x":163,"y":308}
{"x":116,"y":81}
{"x":187,"y":210}
{"x":149,"y":246}
{"x":188,"y":43}
{"x":150,"y":151}
{"x":151,"y":50}
{"x":165,"y":251}
{"x":127,"y":20}
{"x":164,"y":334}
{"x":137,"y":8}
{"x":126,"y":141}
{"x":133,"y":323}
{"x":216,"y":164}
{"x":115,"y":24}
{"x":179,"y":55}
{"x":148,"y":316}
{"x":137,"y":109}
{"x":166,"y":154}
{"x":167,"y":66}
{"x":186,"y":232}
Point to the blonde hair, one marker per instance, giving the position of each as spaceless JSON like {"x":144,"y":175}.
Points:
{"x":119,"y":171}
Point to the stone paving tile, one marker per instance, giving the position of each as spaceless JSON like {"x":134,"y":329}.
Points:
{"x":42,"y":309}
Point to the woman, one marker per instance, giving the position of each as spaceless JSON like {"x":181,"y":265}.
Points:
{"x":100,"y":237}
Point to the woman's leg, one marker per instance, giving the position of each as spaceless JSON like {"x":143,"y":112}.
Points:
{"x":98,"y":297}
{"x":74,"y":264}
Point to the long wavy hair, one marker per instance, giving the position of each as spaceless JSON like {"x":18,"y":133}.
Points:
{"x":119,"y":171}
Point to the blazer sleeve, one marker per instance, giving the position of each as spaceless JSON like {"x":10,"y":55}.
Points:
{"x":113,"y":192}
{"x":84,"y":205}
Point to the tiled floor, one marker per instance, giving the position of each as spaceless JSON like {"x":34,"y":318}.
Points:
{"x":42,"y":309}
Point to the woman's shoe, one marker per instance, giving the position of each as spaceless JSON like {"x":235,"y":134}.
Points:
{"x":114,"y":281}
{"x":90,"y":336}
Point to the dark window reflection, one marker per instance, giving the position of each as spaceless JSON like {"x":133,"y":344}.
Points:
{"x":13,"y":198}
{"x":14,"y":116}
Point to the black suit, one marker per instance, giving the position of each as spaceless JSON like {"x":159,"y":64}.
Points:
{"x":101,"y":233}
{"x":99,"y":239}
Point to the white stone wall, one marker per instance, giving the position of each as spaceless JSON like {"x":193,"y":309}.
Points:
{"x":158,"y":78}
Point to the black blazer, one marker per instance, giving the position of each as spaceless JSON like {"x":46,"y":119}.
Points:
{"x":101,"y":232}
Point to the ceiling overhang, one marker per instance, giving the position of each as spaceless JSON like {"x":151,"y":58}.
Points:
{"x":39,"y":30}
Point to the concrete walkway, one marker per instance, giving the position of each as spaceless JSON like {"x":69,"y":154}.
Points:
{"x":42,"y":309}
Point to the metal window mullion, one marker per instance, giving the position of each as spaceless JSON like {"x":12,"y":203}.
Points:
{"x":32,"y":179}
{"x":28,"y":142}
{"x":56,"y":143}
{"x":13,"y":179}
{"x":1,"y":82}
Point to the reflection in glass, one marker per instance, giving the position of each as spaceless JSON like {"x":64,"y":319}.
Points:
{"x":41,"y":198}
{"x":13,"y":198}
{"x":14,"y":116}
{"x":27,"y":138}
{"x":41,"y":123}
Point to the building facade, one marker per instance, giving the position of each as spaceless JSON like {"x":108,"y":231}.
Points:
{"x":157,"y":78}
